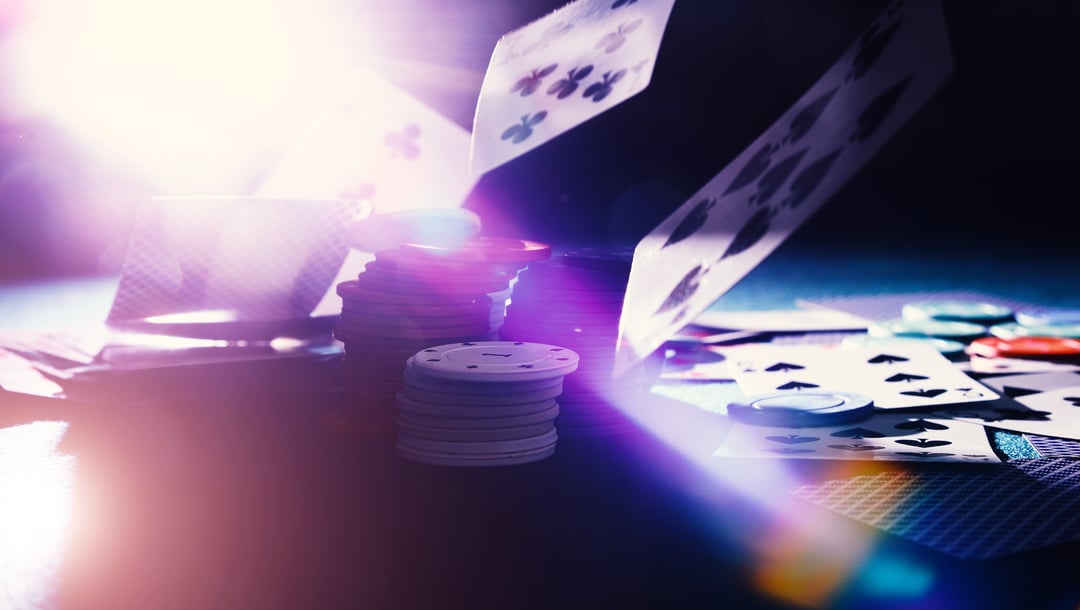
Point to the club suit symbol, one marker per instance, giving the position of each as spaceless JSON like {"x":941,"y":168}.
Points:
{"x":600,"y":90}
{"x":404,"y":144}
{"x":611,"y":42}
{"x":520,"y":132}
{"x":529,"y":84}
{"x":691,"y":222}
{"x":564,"y":87}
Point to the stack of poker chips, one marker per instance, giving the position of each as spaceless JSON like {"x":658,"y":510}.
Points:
{"x":575,"y":299}
{"x":412,"y":297}
{"x":482,"y":403}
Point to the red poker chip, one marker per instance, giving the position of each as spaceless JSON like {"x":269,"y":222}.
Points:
{"x":1025,"y":347}
{"x":484,"y":250}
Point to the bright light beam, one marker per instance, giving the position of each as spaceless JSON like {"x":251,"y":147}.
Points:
{"x":196,"y":94}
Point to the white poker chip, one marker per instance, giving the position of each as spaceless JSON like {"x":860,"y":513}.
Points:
{"x":472,"y":435}
{"x":481,"y":423}
{"x":483,"y":400}
{"x":420,"y":407}
{"x":507,"y":459}
{"x":494,"y":447}
{"x":496,"y":361}
{"x":817,"y":408}
{"x":417,"y":379}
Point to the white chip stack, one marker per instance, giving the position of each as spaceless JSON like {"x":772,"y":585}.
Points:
{"x":482,"y":403}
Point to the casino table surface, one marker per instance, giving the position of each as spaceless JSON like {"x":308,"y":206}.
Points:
{"x":218,"y":488}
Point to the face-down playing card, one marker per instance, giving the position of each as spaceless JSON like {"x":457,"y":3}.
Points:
{"x":562,"y":70}
{"x":740,"y":216}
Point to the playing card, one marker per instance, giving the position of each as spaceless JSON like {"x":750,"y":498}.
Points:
{"x":1046,"y":404}
{"x":882,"y":436}
{"x":782,"y":321}
{"x":911,"y":376}
{"x":1016,"y":507}
{"x":562,"y":70}
{"x":376,"y":142}
{"x":999,"y":366}
{"x":741,"y":215}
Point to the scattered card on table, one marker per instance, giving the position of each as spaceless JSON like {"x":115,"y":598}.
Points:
{"x":883,"y":436}
{"x":724,"y":230}
{"x":562,"y":70}
{"x":1039,"y":403}
{"x":911,"y":376}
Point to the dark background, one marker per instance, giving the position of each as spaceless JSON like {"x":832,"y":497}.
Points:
{"x":987,"y":164}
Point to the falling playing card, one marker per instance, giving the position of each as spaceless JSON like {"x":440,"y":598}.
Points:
{"x":911,"y":376}
{"x":375,"y":142}
{"x":562,"y":70}
{"x":753,"y":204}
{"x":883,"y":436}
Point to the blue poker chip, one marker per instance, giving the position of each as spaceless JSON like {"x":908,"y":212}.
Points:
{"x":944,"y":329}
{"x":1012,"y":330}
{"x":1048,"y":317}
{"x":797,"y":409}
{"x":957,"y":310}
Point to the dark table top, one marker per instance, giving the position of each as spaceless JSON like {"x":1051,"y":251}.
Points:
{"x":219,"y":488}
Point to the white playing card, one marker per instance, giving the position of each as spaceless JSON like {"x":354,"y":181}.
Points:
{"x":911,"y":376}
{"x":725,"y":229}
{"x":783,"y":320}
{"x":1053,"y":413}
{"x":378,"y":143}
{"x":978,"y":364}
{"x":882,"y":436}
{"x":562,"y":70}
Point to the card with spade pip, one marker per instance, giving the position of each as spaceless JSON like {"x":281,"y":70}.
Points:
{"x":886,"y":436}
{"x":1047,"y":404}
{"x":747,"y":210}
{"x":912,"y":376}
{"x":562,"y":70}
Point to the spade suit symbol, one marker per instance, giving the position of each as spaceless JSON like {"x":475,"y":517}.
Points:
{"x":886,"y":359}
{"x":751,"y":233}
{"x":808,"y":180}
{"x":773,"y":179}
{"x":907,"y":377}
{"x":857,"y":433}
{"x":923,"y":393}
{"x":923,"y":443}
{"x":682,"y":291}
{"x":875,"y":113}
{"x":784,"y":366}
{"x":796,"y":385}
{"x":1015,"y":392}
{"x":805,"y":120}
{"x":870,"y":50}
{"x":753,"y":168}
{"x":920,"y":425}
{"x":691,"y":223}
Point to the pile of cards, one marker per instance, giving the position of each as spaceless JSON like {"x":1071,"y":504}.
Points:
{"x":485,"y":403}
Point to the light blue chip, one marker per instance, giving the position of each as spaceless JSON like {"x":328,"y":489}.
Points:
{"x":1048,"y":316}
{"x":1013,"y":330}
{"x":945,"y":329}
{"x":960,"y":311}
{"x":947,"y":347}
